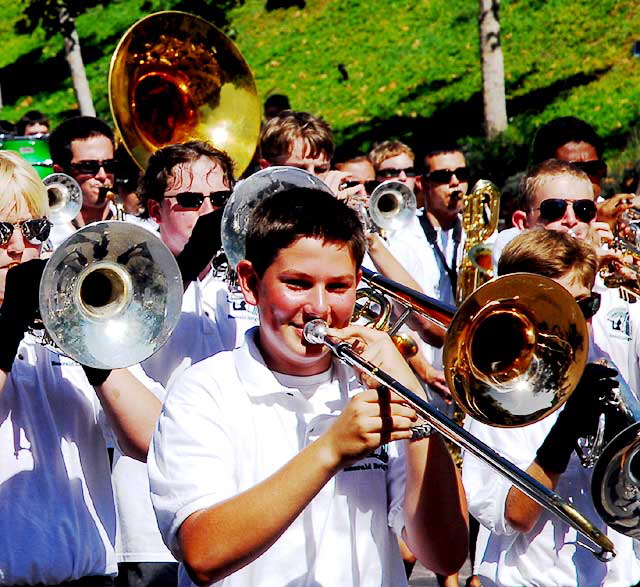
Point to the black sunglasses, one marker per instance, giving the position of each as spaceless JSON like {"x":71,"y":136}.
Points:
{"x":369,"y":185}
{"x":387,"y":173}
{"x":594,"y":168}
{"x":33,"y":230}
{"x":195,"y":199}
{"x":589,"y":306}
{"x":445,"y":175}
{"x":554,"y":208}
{"x":92,"y":166}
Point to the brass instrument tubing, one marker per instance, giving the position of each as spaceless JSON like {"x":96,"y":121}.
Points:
{"x":315,"y":333}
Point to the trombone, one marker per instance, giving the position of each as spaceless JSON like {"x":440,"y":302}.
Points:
{"x":503,"y":374}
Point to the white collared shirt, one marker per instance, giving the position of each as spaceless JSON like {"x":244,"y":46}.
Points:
{"x":57,"y":516}
{"x":228,"y":424}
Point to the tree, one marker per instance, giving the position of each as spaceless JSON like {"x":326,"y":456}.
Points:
{"x":493,"y":93}
{"x":58,"y":16}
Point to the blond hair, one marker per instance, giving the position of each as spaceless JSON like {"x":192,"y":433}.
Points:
{"x":22,"y":192}
{"x":550,"y":253}
{"x":387,"y":149}
{"x":539,"y":174}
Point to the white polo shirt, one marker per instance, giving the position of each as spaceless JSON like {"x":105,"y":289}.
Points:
{"x":228,"y":423}
{"x":548,"y":555}
{"x":200,"y":333}
{"x":57,"y":515}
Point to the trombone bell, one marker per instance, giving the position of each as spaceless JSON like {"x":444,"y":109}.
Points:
{"x":515,"y":350}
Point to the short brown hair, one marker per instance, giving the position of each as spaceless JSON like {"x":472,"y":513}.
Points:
{"x":536,"y":176}
{"x":281,"y":131}
{"x":387,"y":149}
{"x":153,"y":183}
{"x":550,"y":253}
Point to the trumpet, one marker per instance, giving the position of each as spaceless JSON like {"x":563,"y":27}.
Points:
{"x":621,"y":275}
{"x":392,"y":206}
{"x":522,"y":381}
{"x":65,"y":197}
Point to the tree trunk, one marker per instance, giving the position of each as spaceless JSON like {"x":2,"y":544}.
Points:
{"x":493,"y":94}
{"x":76,"y":65}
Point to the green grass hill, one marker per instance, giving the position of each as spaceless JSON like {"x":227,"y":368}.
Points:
{"x":412,"y":66}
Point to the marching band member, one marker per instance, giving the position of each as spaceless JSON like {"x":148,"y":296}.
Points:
{"x":57,"y":514}
{"x":272,"y":463}
{"x":520,"y":543}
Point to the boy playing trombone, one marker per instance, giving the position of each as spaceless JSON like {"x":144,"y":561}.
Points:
{"x":273,"y":464}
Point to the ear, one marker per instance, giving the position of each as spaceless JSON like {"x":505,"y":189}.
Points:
{"x":153,"y":207}
{"x":248,"y":281}
{"x":519,"y":219}
{"x":58,"y":168}
{"x":263,"y":163}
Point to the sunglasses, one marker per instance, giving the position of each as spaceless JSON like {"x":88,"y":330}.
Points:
{"x":369,"y":185}
{"x":595,"y":168}
{"x":387,"y":173}
{"x":92,"y":166}
{"x":195,"y":199}
{"x":589,"y":306}
{"x":35,"y":231}
{"x":445,"y":175}
{"x":554,"y":208}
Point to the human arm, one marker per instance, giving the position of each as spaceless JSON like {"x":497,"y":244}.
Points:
{"x":18,"y":311}
{"x":387,"y":264}
{"x":131,"y":410}
{"x":578,"y":419}
{"x":435,"y":511}
{"x":433,"y":377}
{"x":211,"y":547}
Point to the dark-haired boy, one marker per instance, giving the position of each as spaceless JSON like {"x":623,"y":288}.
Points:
{"x":272,"y":463}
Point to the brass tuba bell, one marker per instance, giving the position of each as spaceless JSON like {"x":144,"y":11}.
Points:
{"x":175,"y":77}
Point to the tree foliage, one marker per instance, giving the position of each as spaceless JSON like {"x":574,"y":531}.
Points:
{"x":46,"y":14}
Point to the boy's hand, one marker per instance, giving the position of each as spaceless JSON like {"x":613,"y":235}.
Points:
{"x":370,"y":419}
{"x":377,"y":347}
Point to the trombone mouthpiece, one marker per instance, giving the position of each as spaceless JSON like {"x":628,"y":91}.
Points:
{"x":315,"y":331}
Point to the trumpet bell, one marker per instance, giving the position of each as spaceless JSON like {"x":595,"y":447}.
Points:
{"x":110,"y":295}
{"x":515,"y":350}
{"x":392,"y":205}
{"x":65,"y":197}
{"x":246,"y":196}
{"x":175,"y":77}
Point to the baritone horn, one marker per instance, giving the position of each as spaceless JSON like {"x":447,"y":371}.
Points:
{"x":110,"y":295}
{"x":495,"y":310}
{"x":174,"y":77}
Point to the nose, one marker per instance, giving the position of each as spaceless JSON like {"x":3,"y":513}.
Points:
{"x":16,"y":242}
{"x":569,"y":217}
{"x":402,"y":176}
{"x":206,"y":207}
{"x":102,"y":174}
{"x":317,"y":303}
{"x":454,"y":180}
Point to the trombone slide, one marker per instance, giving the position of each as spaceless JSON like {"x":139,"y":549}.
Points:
{"x":315,"y":332}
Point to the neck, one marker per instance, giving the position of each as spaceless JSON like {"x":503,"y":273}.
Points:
{"x":89,"y":215}
{"x":444,"y":223}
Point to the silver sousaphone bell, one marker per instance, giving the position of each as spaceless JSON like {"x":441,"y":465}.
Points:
{"x":246,"y":196}
{"x":110,"y":295}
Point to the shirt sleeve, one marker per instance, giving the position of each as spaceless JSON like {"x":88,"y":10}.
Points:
{"x":191,"y":459}
{"x":396,"y":479}
{"x":485,"y":488}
